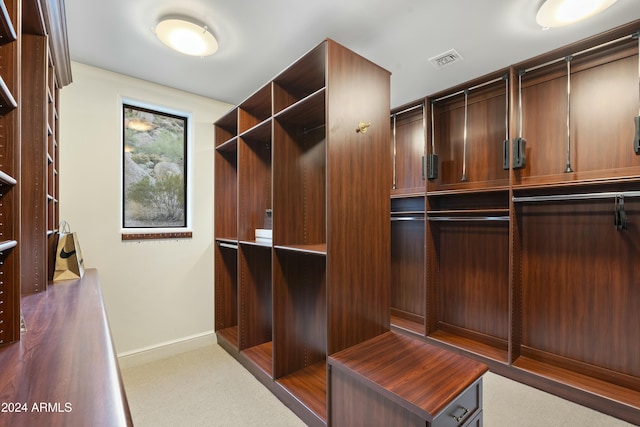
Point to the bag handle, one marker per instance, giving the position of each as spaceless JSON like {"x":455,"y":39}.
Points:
{"x":64,"y":227}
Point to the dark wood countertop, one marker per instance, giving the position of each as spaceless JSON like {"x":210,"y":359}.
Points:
{"x":64,"y":370}
{"x":419,"y":376}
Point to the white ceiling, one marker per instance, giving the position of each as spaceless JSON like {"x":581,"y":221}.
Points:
{"x":259,"y":38}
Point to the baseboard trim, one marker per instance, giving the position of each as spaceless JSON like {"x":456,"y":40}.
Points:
{"x":160,"y":351}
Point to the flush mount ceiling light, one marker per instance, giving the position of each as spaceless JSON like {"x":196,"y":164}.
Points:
{"x":186,"y":36}
{"x":557,"y":13}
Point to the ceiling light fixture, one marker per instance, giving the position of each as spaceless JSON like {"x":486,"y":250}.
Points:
{"x":186,"y":36}
{"x":558,"y":13}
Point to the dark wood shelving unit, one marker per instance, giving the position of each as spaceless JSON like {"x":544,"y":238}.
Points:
{"x":10,"y":70}
{"x":281,"y":305}
{"x":529,"y":266}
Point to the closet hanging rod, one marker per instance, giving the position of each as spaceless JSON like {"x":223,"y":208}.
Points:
{"x":407,"y":218}
{"x":468,"y":218}
{"x":581,"y":196}
{"x":553,"y":61}
{"x":227,"y":245}
{"x":478,"y":86}
{"x":406,"y":110}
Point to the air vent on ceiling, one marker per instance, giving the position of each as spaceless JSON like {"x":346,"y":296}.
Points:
{"x":447,"y":58}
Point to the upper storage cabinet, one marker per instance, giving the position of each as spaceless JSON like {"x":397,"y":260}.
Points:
{"x":577,"y":112}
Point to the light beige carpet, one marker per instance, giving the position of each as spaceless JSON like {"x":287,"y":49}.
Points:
{"x":207,"y":387}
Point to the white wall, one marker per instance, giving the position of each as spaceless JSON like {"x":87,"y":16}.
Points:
{"x":156,"y":292}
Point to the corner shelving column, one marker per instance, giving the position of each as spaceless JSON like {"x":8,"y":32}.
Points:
{"x":9,"y":172}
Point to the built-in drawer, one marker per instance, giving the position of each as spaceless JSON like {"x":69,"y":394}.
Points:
{"x":463,"y":409}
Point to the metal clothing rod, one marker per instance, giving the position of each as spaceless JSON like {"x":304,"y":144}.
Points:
{"x":394,"y":183}
{"x":227,"y":245}
{"x":406,"y":110}
{"x":8,"y":245}
{"x":568,"y":168}
{"x":520,"y":103}
{"x":315,"y":128}
{"x":506,"y":109}
{"x":407,"y":218}
{"x":582,"y":196}
{"x":553,"y":61}
{"x":469,"y":89}
{"x":468,"y":218}
{"x":464,"y":143}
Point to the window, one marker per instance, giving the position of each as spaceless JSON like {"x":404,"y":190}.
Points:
{"x":154,"y":170}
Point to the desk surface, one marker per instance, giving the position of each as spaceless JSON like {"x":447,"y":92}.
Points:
{"x":64,"y":371}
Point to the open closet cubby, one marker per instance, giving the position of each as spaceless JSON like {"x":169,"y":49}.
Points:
{"x":468,"y":271}
{"x":311,"y":146}
{"x":408,"y":301}
{"x":532,"y":200}
{"x":299,"y":179}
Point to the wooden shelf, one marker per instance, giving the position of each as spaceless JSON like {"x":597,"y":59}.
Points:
{"x":478,"y":346}
{"x":8,"y":244}
{"x":309,"y":385}
{"x":318,"y":249}
{"x":410,"y":323}
{"x":6,"y":179}
{"x":626,"y":400}
{"x":262,"y":356}
{"x":7,"y":101}
{"x":7,"y":31}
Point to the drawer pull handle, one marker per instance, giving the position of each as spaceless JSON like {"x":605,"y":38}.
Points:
{"x":459,"y":418}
